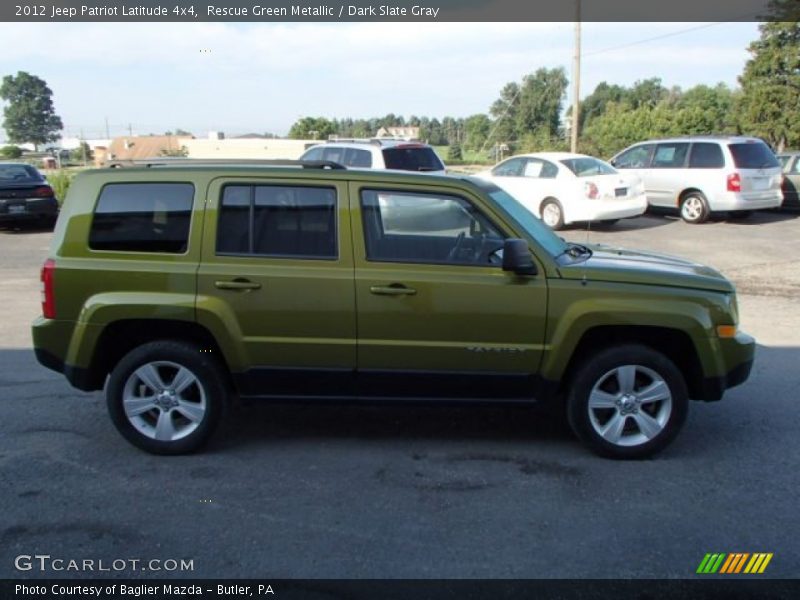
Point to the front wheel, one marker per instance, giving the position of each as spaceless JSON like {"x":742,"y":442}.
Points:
{"x":627,"y":402}
{"x":552,"y":214}
{"x":166,"y":397}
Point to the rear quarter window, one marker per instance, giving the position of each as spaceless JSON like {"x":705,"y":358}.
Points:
{"x":142,"y":217}
{"x":753,"y":155}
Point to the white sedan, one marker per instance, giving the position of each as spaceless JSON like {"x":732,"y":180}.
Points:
{"x":562,"y":188}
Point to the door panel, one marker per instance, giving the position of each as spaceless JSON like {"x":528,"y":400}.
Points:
{"x":287,"y":286}
{"x":453,"y":321}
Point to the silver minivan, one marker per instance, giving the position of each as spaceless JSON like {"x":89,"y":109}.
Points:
{"x":699,"y":175}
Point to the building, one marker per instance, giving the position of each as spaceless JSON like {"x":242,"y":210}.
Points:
{"x":408,"y":133}
{"x":218,"y":146}
{"x":140,"y":147}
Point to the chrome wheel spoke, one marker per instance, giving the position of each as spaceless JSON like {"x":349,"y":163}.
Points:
{"x":649,"y":427}
{"x":148,"y":375}
{"x":612,"y":430}
{"x":192,"y":411}
{"x":655,"y":392}
{"x":626,"y":377}
{"x":601,"y":399}
{"x":136,"y":406}
{"x":182,"y":380}
{"x":165,"y":428}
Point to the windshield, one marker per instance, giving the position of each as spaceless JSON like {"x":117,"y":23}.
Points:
{"x":532,"y":225}
{"x":588,"y":166}
{"x":753,"y":155}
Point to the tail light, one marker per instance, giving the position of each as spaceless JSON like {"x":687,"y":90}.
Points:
{"x":43,"y":191}
{"x":734,"y":182}
{"x":48,"y":297}
{"x":591,"y":190}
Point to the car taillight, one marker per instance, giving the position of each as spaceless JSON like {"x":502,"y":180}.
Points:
{"x":43,"y":191}
{"x":734,"y":182}
{"x":591,"y":190}
{"x":48,"y":297}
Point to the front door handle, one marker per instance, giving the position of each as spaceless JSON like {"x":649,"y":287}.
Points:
{"x":395,"y":289}
{"x":237,"y":284}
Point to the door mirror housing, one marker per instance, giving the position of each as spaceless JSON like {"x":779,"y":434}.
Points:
{"x":517,"y":257}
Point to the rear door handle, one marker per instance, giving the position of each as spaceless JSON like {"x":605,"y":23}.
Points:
{"x":392,"y":290}
{"x":237,"y":284}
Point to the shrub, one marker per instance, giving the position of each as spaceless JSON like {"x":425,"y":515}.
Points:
{"x":59,"y":181}
{"x":10,"y":151}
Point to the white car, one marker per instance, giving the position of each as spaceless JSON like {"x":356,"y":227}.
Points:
{"x":378,"y":153}
{"x":700,"y":175}
{"x":562,"y":187}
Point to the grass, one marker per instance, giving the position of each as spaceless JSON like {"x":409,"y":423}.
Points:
{"x":60,"y":180}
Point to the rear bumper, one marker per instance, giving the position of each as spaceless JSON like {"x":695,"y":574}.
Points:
{"x":603,"y":209}
{"x":38,"y":208}
{"x":79,"y":378}
{"x":746,"y":200}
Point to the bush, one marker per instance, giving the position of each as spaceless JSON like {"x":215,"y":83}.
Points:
{"x":10,"y":151}
{"x":59,"y":181}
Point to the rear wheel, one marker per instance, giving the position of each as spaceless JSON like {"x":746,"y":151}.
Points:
{"x":552,"y":214}
{"x":694,"y":208}
{"x":627,"y":402}
{"x":166,"y":397}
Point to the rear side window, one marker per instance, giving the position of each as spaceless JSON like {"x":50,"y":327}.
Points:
{"x":412,"y":158}
{"x":143,"y":217}
{"x":670,"y":155}
{"x":706,"y":155}
{"x":753,"y":155}
{"x":282,"y":221}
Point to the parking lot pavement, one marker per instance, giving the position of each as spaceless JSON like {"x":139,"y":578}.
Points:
{"x":417,"y":491}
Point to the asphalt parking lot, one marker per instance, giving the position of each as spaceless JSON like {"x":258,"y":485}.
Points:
{"x":408,"y":492}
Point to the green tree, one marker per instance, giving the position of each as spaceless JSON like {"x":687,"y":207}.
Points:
{"x":10,"y":152}
{"x":454,"y":152}
{"x":83,"y":153}
{"x":29,"y":114}
{"x":476,"y":131}
{"x":312,"y":128}
{"x":770,"y":102}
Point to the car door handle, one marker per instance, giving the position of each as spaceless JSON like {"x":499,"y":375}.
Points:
{"x":237,"y":284}
{"x":392,"y":290}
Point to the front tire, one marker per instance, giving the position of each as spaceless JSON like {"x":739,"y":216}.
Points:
{"x":694,"y":208}
{"x":627,"y":402}
{"x":552,"y":214}
{"x":166,"y":397}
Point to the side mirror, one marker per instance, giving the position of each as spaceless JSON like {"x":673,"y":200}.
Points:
{"x":517,"y":258}
{"x":613,"y":162}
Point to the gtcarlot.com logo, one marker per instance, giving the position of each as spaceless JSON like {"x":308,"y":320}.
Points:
{"x":734,"y":563}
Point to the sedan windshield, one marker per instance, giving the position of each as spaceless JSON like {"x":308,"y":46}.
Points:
{"x":588,"y":166}
{"x":532,"y":225}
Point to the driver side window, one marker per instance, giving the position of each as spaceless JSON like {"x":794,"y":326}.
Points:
{"x":427,"y":228}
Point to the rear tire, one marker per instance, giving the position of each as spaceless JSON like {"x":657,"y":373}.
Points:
{"x":694,"y":208}
{"x":166,"y":397}
{"x":627,"y":402}
{"x":552,"y":214}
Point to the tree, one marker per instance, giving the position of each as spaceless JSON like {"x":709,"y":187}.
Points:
{"x":476,"y":131}
{"x":312,"y":128}
{"x":83,"y":153}
{"x":454,"y":152}
{"x":29,"y":115}
{"x":770,"y":100}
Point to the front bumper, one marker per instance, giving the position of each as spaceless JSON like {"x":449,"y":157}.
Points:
{"x":737,"y":354}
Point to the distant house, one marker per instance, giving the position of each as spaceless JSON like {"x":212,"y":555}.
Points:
{"x":251,"y":146}
{"x":140,"y":147}
{"x":409,"y":133}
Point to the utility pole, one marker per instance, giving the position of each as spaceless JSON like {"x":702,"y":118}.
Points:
{"x":576,"y":79}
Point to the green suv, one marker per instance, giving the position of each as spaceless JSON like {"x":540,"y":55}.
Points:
{"x":181,"y":288}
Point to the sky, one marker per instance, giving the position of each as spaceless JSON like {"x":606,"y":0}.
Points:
{"x":240,"y":78}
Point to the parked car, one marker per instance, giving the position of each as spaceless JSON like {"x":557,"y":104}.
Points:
{"x":700,"y":175}
{"x":25,"y":196}
{"x":790,"y":162}
{"x":178,"y":288}
{"x":563,"y":188}
{"x":378,"y":153}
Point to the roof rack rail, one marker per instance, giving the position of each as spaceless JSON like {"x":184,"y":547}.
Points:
{"x":170,"y":161}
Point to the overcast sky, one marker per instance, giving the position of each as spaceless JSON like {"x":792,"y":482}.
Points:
{"x":241,"y":78}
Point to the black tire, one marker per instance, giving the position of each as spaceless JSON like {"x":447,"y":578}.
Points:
{"x":738,"y":215}
{"x":551,"y":204}
{"x":694,"y":208}
{"x":205,"y":398}
{"x":604,"y":371}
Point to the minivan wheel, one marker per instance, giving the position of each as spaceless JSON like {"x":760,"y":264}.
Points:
{"x":627,"y":402}
{"x":166,"y":397}
{"x":552,"y":214}
{"x":694,"y":208}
